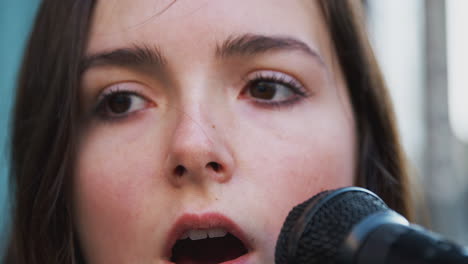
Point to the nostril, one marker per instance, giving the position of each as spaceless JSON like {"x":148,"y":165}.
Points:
{"x":215,"y":166}
{"x":179,"y":170}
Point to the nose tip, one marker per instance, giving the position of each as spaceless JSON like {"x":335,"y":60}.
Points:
{"x":198,"y":154}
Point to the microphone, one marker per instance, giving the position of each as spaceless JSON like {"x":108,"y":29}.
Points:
{"x":354,"y":226}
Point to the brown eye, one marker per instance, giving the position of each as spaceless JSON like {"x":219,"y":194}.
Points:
{"x":263,"y":90}
{"x":270,"y":91}
{"x":119,"y":103}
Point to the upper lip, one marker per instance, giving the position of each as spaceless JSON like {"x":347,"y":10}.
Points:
{"x":204,"y":221}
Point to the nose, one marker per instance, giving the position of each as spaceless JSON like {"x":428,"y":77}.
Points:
{"x":198,"y":153}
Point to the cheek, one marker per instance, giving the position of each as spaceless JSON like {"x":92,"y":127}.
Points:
{"x":117,"y":181}
{"x":297,"y":163}
{"x":299,"y":172}
{"x":309,"y":151}
{"x":113,"y":171}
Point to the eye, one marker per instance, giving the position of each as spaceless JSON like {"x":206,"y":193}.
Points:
{"x":270,"y":87}
{"x":123,"y":103}
{"x":120,"y":104}
{"x":270,"y":90}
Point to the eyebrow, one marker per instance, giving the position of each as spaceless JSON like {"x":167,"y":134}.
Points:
{"x":254,"y":44}
{"x":137,"y":56}
{"x":151,"y":57}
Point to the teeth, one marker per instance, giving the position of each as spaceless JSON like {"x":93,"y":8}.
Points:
{"x":198,"y":234}
{"x":217,"y":232}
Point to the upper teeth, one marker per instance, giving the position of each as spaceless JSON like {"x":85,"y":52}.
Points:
{"x":197,"y":234}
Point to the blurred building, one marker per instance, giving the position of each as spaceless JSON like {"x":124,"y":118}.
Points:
{"x":418,"y":46}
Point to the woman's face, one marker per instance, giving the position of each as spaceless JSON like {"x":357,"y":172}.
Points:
{"x":201,"y":118}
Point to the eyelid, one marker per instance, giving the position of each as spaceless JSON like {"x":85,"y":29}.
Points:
{"x":286,"y":79}
{"x":128,"y":87}
{"x":276,"y":76}
{"x":118,"y":87}
{"x":290,"y":82}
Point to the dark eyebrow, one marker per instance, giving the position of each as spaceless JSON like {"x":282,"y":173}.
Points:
{"x":137,"y":56}
{"x":150,"y":57}
{"x":253,"y":44}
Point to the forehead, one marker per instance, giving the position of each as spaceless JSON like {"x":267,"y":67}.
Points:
{"x":202,"y":23}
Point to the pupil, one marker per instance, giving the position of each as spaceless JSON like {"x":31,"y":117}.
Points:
{"x":119,"y":103}
{"x":263,"y":90}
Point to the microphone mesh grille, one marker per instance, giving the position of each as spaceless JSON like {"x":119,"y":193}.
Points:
{"x":324,"y":228}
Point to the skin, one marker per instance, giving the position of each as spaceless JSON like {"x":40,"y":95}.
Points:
{"x":127,"y":193}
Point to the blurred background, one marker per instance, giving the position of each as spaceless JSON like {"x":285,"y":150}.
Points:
{"x":16,"y":17}
{"x":422,"y":48}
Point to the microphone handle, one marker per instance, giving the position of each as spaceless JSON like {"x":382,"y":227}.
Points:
{"x":409,"y":245}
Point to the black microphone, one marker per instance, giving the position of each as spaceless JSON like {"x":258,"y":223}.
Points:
{"x":354,"y":226}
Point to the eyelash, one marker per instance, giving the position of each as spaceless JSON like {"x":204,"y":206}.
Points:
{"x":275,"y":77}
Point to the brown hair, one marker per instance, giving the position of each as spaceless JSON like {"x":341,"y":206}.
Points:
{"x":46,"y":118}
{"x":381,"y":162}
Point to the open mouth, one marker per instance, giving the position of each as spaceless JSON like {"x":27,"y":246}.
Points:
{"x":206,"y":239}
{"x":210,"y":246}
